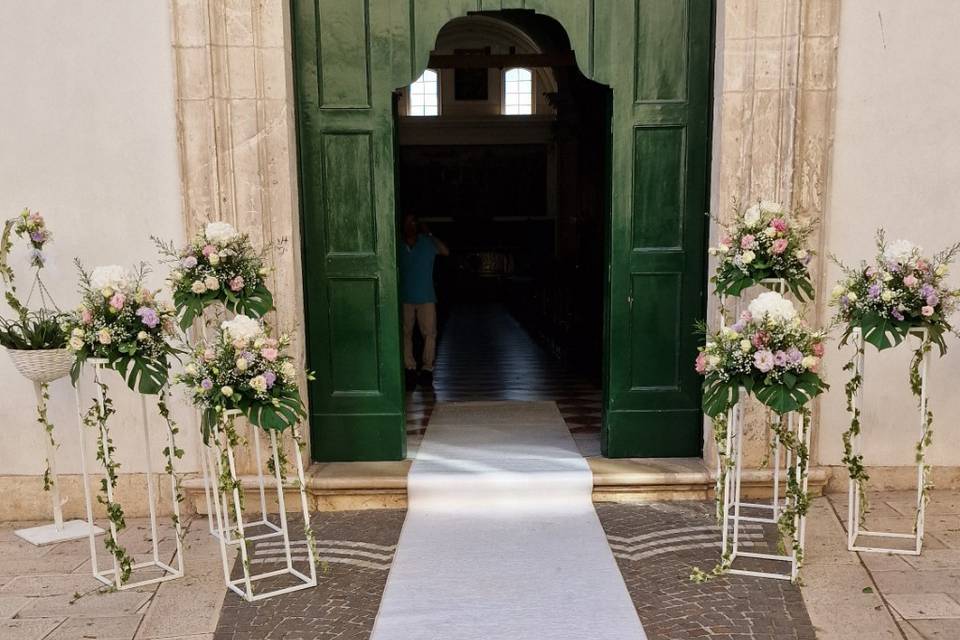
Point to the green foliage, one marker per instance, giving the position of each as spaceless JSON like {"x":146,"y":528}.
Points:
{"x":34,"y":330}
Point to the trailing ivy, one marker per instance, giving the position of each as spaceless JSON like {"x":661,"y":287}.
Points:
{"x":797,"y":501}
{"x":171,"y":452}
{"x":44,"y":422}
{"x":726,"y":463}
{"x":854,"y":461}
{"x":96,"y":418}
{"x":926,"y":438}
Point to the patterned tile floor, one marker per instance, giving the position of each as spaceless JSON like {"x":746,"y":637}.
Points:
{"x":484,"y":354}
{"x":655,"y":545}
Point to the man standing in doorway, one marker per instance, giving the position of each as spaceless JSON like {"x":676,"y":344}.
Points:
{"x":419,"y":299}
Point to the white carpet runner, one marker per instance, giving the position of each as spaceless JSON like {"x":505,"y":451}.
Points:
{"x":501,"y":541}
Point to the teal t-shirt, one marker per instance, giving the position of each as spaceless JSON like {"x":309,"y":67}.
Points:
{"x":416,"y":271}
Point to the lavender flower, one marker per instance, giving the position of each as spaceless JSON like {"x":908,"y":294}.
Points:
{"x":794,"y":355}
{"x":206,"y":384}
{"x":270,"y":377}
{"x":148,"y":316}
{"x":896,"y":314}
{"x":874,"y":291}
{"x":763,"y":360}
{"x":780,"y":358}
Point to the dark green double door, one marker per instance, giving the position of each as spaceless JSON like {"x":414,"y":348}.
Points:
{"x":655,"y":55}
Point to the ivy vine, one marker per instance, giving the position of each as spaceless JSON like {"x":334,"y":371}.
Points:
{"x":171,"y":452}
{"x":854,"y":461}
{"x":96,"y":418}
{"x":797,"y":501}
{"x":926,"y":437}
{"x":44,"y":422}
{"x":726,"y":463}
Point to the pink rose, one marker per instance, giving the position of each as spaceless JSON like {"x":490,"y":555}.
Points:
{"x":208,"y":354}
{"x":910,"y":281}
{"x":208,"y":249}
{"x":922,"y":265}
{"x":117,"y":301}
{"x":236,"y":284}
{"x":747,"y":242}
{"x":779,"y":245}
{"x":746,"y":316}
{"x":759,"y":339}
{"x":818,"y":349}
{"x":926,"y":311}
{"x":269,"y":354}
{"x":779,"y":224}
{"x":726,"y":239}
{"x":86,"y":317}
{"x":701,"y":363}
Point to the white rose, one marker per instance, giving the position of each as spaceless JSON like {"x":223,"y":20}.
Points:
{"x":77,"y":332}
{"x":723,"y":248}
{"x":852,"y":297}
{"x":198,"y":287}
{"x":810,"y":362}
{"x":837,"y":291}
{"x":713,"y":361}
{"x":76,"y":343}
{"x":752,"y":215}
{"x":728,"y":332}
{"x":226,"y":390}
{"x":747,"y":256}
{"x":104,"y":336}
{"x":213,"y":259}
{"x":242,"y":328}
{"x":745,"y":346}
{"x":773,"y":306}
{"x":887,"y":295}
{"x":258,"y":383}
{"x":886,"y":277}
{"x":241,"y":364}
{"x":176,"y":276}
{"x":211,"y":283}
{"x":941,"y":270}
{"x":801,"y":254}
{"x":220,"y":232}
{"x":190,"y":370}
{"x":288,"y":371}
{"x":143,"y":335}
{"x":901,"y":251}
{"x":769,"y":232}
{"x":110,"y":276}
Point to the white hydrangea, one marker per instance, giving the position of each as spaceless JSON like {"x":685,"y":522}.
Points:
{"x":242,"y":328}
{"x":900,"y":251}
{"x":751,"y":217}
{"x":220,"y":232}
{"x":111,"y":276}
{"x":774,"y":306}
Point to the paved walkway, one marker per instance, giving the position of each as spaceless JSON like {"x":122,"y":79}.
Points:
{"x":48,"y":592}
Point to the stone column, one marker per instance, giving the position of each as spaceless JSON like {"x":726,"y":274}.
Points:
{"x":235,"y":129}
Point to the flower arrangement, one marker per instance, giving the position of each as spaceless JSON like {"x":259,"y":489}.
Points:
{"x":902,"y":290}
{"x":32,"y":226}
{"x":122,"y":321}
{"x":769,"y":352}
{"x":761,"y":243}
{"x":219,"y":264}
{"x":246,"y":369}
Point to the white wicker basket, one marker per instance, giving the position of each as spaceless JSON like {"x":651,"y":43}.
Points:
{"x":42,"y":365}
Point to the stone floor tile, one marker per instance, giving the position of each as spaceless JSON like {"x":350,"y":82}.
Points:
{"x":22,"y":566}
{"x":27,"y":629}
{"x":934,"y":559}
{"x":884,"y":561}
{"x":186,"y":606}
{"x":121,"y":603}
{"x":112,"y":628}
{"x":933,"y":581}
{"x":826,"y":540}
{"x":50,"y":585}
{"x":9,"y":605}
{"x":924,"y":606}
{"x":841,"y":610}
{"x":937,"y":629}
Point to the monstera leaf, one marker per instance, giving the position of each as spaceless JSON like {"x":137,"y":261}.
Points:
{"x":792,"y":394}
{"x":142,"y":375}
{"x":254,"y":305}
{"x":883,"y":332}
{"x":190,"y":306}
{"x":719,"y":396}
{"x":285,"y":411}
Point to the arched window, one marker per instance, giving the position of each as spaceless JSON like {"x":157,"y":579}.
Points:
{"x":425,"y":95}
{"x":517,"y":92}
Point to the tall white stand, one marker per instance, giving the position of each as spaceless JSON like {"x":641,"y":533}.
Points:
{"x":735,"y":510}
{"x":781,"y":456}
{"x":221,"y":458}
{"x":113,"y":577}
{"x":59,"y":531}
{"x":854,"y":530}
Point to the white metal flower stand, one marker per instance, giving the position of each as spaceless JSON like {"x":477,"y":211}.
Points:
{"x":775,"y":505}
{"x":223,"y":461}
{"x":734,"y":507}
{"x":113,"y":576}
{"x":59,"y":531}
{"x":854,"y":530}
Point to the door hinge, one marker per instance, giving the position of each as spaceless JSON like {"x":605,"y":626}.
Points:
{"x":630,"y":301}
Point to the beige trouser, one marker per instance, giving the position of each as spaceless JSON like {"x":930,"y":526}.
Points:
{"x":426,"y":317}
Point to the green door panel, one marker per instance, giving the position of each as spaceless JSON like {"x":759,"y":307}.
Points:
{"x":349,"y":56}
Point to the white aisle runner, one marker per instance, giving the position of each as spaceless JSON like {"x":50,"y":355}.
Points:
{"x":501,"y":541}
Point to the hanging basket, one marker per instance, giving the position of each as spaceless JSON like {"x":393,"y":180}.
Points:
{"x":42,"y":365}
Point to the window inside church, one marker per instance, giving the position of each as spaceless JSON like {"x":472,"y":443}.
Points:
{"x":425,"y":95}
{"x":517,"y":92}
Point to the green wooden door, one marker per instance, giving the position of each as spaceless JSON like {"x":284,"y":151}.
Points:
{"x":348,"y":57}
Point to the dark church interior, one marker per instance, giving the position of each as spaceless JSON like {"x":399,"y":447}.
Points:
{"x":519,"y":199}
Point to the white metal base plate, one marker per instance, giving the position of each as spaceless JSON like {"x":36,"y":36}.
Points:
{"x":49,"y":534}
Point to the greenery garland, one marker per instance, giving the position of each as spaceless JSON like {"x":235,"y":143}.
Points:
{"x":926,"y":438}
{"x":797,"y":501}
{"x":726,"y":463}
{"x":171,"y":452}
{"x":43,"y":421}
{"x":97,"y":417}
{"x":854,"y":461}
